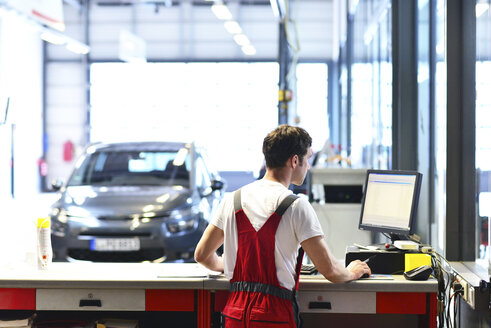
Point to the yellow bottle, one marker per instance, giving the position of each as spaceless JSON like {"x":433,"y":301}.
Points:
{"x":45,"y":253}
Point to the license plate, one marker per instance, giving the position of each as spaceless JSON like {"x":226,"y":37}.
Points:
{"x":115,"y":244}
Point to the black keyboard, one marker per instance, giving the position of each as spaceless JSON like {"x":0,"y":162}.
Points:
{"x":308,"y":269}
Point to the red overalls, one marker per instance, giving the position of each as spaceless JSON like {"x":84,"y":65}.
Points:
{"x":256,"y":298}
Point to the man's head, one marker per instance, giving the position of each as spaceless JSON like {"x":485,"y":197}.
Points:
{"x":284,"y":142}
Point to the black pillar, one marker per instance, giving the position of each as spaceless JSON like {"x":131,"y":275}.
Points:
{"x":405,"y":86}
{"x":460,"y":235}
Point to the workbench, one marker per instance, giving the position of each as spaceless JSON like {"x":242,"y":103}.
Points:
{"x":157,"y":293}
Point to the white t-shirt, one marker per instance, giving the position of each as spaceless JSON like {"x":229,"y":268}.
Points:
{"x":259,"y":200}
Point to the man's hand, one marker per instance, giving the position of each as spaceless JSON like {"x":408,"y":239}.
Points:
{"x":328,"y":266}
{"x":358,"y":269}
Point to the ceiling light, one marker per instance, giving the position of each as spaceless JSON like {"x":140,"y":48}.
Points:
{"x":241,"y":39}
{"x":481,"y":8}
{"x":78,"y":47}
{"x":221,"y":12}
{"x":52,"y":37}
{"x":56,"y":38}
{"x":232,"y":27}
{"x":249,"y":50}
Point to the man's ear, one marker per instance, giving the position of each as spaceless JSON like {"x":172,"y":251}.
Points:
{"x":295,"y":161}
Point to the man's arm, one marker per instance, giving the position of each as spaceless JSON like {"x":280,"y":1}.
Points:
{"x":205,"y":252}
{"x":331,"y":268}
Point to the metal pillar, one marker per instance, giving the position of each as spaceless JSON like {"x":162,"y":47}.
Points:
{"x":86,"y":65}
{"x":405,"y":86}
{"x":460,"y":244}
{"x":333,"y":101}
{"x":284,"y":60}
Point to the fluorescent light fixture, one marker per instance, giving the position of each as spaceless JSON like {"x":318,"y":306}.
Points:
{"x":78,"y":47}
{"x":221,"y":12}
{"x":232,"y":27}
{"x":481,"y":8}
{"x":52,"y":37}
{"x":241,"y":39}
{"x":57,"y":38}
{"x":249,"y":50}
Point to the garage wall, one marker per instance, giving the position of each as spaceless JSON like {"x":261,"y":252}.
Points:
{"x":66,"y":99}
{"x":184,"y":32}
{"x":21,"y":80}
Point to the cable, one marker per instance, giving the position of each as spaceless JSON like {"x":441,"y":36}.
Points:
{"x":445,"y":276}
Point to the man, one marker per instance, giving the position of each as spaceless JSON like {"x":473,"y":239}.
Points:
{"x":261,"y":227}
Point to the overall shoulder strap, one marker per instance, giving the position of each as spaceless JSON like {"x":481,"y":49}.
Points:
{"x":237,"y":201}
{"x":285,"y":204}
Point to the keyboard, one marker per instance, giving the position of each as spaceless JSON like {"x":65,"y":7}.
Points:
{"x":308,"y":269}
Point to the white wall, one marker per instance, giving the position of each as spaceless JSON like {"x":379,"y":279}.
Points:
{"x":21,"y":80}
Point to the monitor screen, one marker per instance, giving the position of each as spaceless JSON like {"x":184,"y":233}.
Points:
{"x":390,"y":201}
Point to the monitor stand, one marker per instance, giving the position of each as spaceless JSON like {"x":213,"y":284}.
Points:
{"x":389,"y":246}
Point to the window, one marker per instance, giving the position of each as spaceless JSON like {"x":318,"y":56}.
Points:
{"x":483,"y":126}
{"x":371,"y":86}
{"x":312,"y":102}
{"x":227,"y":108}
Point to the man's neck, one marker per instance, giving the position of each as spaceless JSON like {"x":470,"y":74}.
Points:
{"x":281,"y":175}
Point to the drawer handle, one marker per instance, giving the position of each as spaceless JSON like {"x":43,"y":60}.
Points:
{"x":320,"y":305}
{"x":90,"y":303}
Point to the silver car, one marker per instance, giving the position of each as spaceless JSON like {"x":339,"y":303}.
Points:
{"x":135,"y":202}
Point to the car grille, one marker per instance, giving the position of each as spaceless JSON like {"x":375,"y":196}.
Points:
{"x":115,"y":234}
{"x":128,"y":218}
{"x":136,"y":256}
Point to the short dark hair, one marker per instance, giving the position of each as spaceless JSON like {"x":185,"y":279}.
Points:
{"x":284,"y":142}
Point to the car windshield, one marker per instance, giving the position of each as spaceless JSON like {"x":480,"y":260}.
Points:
{"x":133,"y":168}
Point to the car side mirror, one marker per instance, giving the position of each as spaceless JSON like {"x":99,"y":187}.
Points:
{"x":217,"y":184}
{"x":56,"y":184}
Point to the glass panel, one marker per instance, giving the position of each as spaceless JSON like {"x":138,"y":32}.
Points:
{"x":371,"y":86}
{"x":483,"y":124}
{"x":131,"y":168}
{"x":424,"y":226}
{"x":441,"y":123}
{"x":312,"y":102}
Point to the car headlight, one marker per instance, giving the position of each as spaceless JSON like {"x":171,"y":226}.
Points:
{"x":182,"y":225}
{"x":62,"y":217}
{"x":183,"y":220}
{"x":58,"y":222}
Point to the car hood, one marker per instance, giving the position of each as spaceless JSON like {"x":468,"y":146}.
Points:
{"x":117,"y":201}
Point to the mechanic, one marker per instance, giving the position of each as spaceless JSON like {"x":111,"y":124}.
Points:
{"x":262,"y":226}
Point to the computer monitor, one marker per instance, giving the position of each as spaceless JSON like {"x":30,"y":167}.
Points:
{"x":390,"y":202}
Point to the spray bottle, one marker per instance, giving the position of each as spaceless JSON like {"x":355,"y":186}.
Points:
{"x":45,"y":253}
